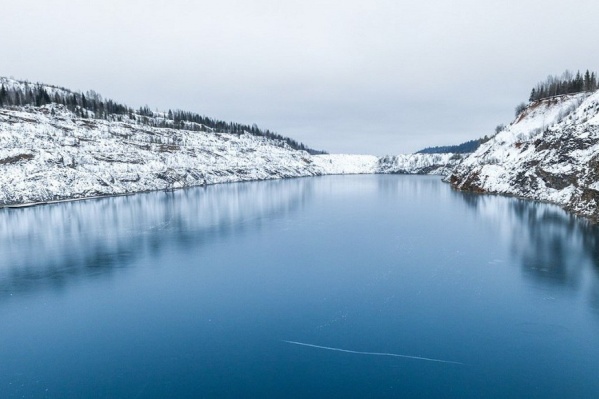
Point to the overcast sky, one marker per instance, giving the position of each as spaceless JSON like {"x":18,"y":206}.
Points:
{"x":376,"y":76}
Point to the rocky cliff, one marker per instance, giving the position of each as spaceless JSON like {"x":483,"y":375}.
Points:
{"x":550,"y":152}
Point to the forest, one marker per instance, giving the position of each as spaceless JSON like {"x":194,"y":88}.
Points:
{"x":567,"y":83}
{"x":464,"y":148}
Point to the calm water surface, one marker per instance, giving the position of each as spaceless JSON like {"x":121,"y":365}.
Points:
{"x":194,"y":294}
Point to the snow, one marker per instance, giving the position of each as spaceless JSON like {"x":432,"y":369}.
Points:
{"x":48,"y":154}
{"x":45,"y":157}
{"x":540,"y":115}
{"x":438,"y":164}
{"x":549,"y":153}
{"x":546,"y":154}
{"x":338,"y":164}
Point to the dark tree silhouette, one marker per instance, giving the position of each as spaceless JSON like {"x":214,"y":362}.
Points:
{"x":564,"y":84}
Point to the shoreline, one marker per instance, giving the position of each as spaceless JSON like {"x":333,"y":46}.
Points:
{"x":59,"y":201}
{"x":593,"y":220}
{"x":566,"y":208}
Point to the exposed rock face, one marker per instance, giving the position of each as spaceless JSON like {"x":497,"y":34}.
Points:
{"x":549,"y":153}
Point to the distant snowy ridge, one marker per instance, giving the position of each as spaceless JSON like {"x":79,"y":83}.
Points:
{"x":342,"y":164}
{"x":431,"y":164}
{"x":49,"y":154}
{"x":550,"y":152}
{"x":422,"y":164}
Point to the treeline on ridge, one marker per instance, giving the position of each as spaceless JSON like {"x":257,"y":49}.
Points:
{"x":464,"y":148}
{"x":567,"y":83}
{"x":92,"y":105}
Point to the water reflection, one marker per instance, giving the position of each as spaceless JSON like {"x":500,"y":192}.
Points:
{"x":554,"y":248}
{"x":50,"y":246}
{"x":411,"y":185}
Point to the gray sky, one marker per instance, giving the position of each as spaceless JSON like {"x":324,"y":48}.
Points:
{"x":377,"y":76}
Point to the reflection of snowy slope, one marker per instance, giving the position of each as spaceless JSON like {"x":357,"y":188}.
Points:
{"x":115,"y":232}
{"x":550,"y":245}
{"x":549,"y":153}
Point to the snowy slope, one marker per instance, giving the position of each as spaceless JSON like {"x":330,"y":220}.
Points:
{"x":433,"y":164}
{"x":339,"y":164}
{"x":423,"y":164}
{"x":549,"y":153}
{"x":48,"y":154}
{"x":52,"y":152}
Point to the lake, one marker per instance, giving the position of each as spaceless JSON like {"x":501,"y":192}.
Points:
{"x":339,"y":286}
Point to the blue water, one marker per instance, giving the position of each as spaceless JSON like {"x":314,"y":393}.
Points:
{"x":194,"y":294}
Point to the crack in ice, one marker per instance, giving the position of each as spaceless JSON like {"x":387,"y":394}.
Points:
{"x":428,"y":359}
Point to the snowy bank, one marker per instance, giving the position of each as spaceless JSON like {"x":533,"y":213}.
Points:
{"x":49,"y":154}
{"x":550,"y":152}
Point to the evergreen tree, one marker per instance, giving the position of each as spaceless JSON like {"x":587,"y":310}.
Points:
{"x":3,"y":95}
{"x":564,"y":84}
{"x":533,"y":94}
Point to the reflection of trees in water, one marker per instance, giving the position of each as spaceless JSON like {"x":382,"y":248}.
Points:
{"x":50,"y":246}
{"x":552,"y":246}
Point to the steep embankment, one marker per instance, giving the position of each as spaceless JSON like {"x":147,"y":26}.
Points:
{"x":549,"y":153}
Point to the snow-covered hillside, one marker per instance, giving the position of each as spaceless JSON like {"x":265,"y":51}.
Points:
{"x":431,"y":164}
{"x":48,"y":154}
{"x":340,"y":164}
{"x":550,"y":152}
{"x":421,"y":164}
